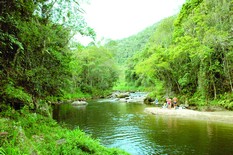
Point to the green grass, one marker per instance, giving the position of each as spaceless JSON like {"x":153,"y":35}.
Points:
{"x":31,"y":133}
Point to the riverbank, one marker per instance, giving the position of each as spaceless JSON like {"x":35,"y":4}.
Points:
{"x":23,"y":132}
{"x":217,"y":116}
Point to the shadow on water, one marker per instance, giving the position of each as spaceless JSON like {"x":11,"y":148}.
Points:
{"x":128,"y":127}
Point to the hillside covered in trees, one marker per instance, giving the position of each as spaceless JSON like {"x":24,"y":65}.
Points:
{"x":126,"y":48}
{"x":189,"y":55}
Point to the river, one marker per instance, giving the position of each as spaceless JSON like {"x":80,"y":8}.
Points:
{"x":128,"y":127}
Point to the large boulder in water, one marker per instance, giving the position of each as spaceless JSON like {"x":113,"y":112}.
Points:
{"x":77,"y":103}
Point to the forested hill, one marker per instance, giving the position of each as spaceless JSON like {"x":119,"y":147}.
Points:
{"x":127,"y":47}
{"x":190,"y":56}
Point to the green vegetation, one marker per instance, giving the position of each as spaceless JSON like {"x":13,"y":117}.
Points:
{"x":189,"y":56}
{"x":37,"y":62}
{"x":38,"y":65}
{"x":95,"y":71}
{"x":31,"y":133}
{"x":125,"y":48}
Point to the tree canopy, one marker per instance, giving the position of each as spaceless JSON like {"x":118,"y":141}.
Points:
{"x":190,"y":55}
{"x":36,"y":60}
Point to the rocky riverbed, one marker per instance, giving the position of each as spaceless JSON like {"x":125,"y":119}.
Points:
{"x":129,"y":97}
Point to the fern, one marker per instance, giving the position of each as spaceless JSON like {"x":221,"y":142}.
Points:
{"x":2,"y":152}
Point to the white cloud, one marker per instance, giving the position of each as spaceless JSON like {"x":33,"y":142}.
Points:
{"x":116,"y":19}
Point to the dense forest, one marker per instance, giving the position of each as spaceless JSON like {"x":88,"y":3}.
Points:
{"x":40,"y":64}
{"x":188,"y":55}
{"x":37,"y":63}
{"x":127,"y":47}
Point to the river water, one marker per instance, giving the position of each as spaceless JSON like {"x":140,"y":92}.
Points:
{"x":128,"y":127}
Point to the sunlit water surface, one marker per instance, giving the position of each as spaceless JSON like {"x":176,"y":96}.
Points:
{"x":128,"y":127}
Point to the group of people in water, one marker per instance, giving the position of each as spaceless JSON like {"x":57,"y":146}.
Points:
{"x":169,"y":103}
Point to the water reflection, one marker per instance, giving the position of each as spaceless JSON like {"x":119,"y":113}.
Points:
{"x":126,"y":126}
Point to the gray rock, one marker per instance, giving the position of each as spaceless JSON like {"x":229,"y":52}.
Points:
{"x":77,"y":103}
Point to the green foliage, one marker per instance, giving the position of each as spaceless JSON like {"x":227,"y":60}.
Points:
{"x":226,"y":101}
{"x":77,"y":95}
{"x":186,"y":10}
{"x":16,"y":93}
{"x":158,"y":90}
{"x":2,"y":152}
{"x":23,"y":55}
{"x":68,"y":13}
{"x":36,"y":62}
{"x":127,"y":47}
{"x":150,"y":64}
{"x":94,"y":70}
{"x":163,"y":34}
{"x":30,"y":133}
{"x":191,"y":54}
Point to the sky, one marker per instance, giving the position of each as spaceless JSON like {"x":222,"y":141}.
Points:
{"x":118,"y":19}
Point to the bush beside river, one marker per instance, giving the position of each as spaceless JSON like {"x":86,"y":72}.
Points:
{"x":22,"y":132}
